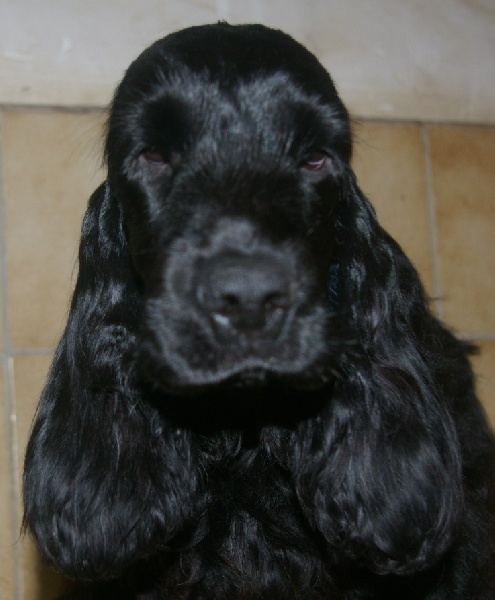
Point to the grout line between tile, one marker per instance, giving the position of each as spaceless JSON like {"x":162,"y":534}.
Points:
{"x":437,"y":300}
{"x":3,"y":251}
{"x":8,"y":369}
{"x":28,"y":352}
{"x":16,"y":480}
{"x":222,"y":7}
{"x":477,"y":338}
{"x":420,"y":121}
{"x":55,"y":108}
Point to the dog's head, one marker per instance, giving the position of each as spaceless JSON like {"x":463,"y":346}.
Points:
{"x":225,"y":148}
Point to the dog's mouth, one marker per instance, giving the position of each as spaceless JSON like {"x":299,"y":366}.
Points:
{"x":179,"y":357}
{"x":253,"y":378}
{"x":248,"y":401}
{"x":250,"y":378}
{"x":177,"y":377}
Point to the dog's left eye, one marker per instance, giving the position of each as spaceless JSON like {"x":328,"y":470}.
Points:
{"x":316,"y":162}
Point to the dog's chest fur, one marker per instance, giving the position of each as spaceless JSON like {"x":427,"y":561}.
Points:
{"x":249,"y":536}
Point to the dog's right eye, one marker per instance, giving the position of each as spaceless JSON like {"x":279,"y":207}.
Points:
{"x":154,"y":163}
{"x":155,"y":159}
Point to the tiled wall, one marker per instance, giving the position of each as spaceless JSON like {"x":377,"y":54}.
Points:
{"x":433,"y":186}
{"x":390,"y":59}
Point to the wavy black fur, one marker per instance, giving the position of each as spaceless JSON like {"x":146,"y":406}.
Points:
{"x":251,"y":398}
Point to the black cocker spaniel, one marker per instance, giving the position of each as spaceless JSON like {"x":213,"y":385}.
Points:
{"x":251,"y":398}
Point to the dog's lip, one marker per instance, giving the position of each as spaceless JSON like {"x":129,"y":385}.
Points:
{"x":252,"y":377}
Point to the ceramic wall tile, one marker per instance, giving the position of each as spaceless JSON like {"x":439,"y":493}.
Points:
{"x":50,"y":166}
{"x":463,"y":183}
{"x":389,"y":163}
{"x":484,"y":368}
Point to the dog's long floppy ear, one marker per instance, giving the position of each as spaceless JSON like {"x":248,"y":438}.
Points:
{"x":105,"y":478}
{"x":380,"y":474}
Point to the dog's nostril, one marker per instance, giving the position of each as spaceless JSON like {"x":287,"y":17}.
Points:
{"x":244,"y":292}
{"x":274,"y":301}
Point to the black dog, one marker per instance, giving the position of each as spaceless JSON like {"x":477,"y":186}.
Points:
{"x":251,"y":398}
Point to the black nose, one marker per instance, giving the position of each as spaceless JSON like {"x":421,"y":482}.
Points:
{"x":248,"y":293}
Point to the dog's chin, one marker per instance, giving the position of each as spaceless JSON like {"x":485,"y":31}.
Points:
{"x":243,"y":377}
{"x":301,"y":382}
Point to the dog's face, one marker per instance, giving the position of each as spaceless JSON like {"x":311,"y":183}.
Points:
{"x":227,"y":163}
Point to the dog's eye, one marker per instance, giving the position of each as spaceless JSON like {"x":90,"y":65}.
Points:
{"x":316,"y":162}
{"x":153,"y":158}
{"x":155,"y":164}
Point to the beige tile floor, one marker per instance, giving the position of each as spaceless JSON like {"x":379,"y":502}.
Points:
{"x":463,"y":183}
{"x":390,"y":165}
{"x":50,"y":166}
{"x":433,"y":187}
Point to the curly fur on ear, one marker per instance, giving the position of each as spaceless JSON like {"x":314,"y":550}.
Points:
{"x":95,"y":507}
{"x":380,"y":472}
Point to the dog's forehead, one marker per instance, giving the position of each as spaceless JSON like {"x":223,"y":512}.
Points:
{"x":209,"y":98}
{"x":242,"y":51}
{"x":247,"y":82}
{"x":226,"y":55}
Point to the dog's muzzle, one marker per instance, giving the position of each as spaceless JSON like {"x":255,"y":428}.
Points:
{"x":233,"y":304}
